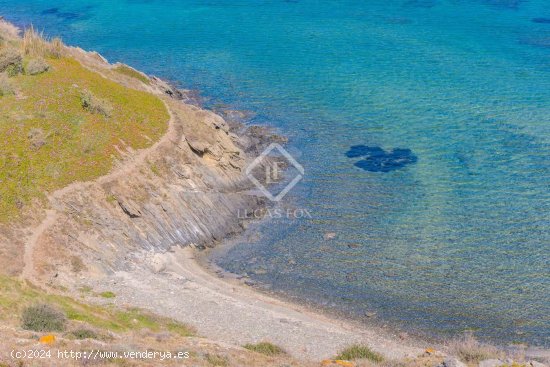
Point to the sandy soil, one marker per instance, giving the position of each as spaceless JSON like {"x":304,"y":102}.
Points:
{"x":175,"y":285}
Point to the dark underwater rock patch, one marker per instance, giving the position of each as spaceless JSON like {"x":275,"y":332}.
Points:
{"x":541,"y":20}
{"x":376,"y":159}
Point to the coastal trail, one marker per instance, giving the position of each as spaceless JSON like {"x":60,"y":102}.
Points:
{"x":129,"y":162}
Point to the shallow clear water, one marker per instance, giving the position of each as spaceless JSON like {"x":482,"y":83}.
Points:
{"x":456,"y":238}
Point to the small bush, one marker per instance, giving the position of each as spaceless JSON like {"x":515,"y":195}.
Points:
{"x":36,"y":66}
{"x":360,"y":352}
{"x":83,"y":333}
{"x":43,"y":317}
{"x":37,"y":138}
{"x":469,"y":350}
{"x":5,"y":85}
{"x":11,"y":61}
{"x":76,"y":264}
{"x":107,"y":294}
{"x":265,"y":348}
{"x":216,"y":360}
{"x":94,"y":104}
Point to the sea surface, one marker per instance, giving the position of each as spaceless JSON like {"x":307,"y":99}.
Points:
{"x":423,"y":127}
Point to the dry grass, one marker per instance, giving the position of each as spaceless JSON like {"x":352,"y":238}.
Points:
{"x":468,"y":349}
{"x":37,"y":45}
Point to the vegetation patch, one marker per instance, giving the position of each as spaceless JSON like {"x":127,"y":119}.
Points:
{"x":468,"y":349}
{"x":15,"y":296}
{"x":43,"y":317}
{"x":6,"y":87}
{"x":11,"y":61}
{"x":107,"y":294}
{"x":57,"y":133}
{"x":93,"y":104}
{"x":266,"y":348}
{"x":360,"y":352}
{"x":36,"y":66}
{"x":216,"y":360}
{"x":36,"y":44}
{"x":82,"y":333}
{"x":37,"y":138}
{"x":132,"y":73}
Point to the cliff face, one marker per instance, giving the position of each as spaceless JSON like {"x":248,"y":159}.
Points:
{"x":187,"y":188}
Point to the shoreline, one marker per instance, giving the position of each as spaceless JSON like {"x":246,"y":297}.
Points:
{"x":230,"y":312}
{"x":303,"y":331}
{"x":408,"y":339}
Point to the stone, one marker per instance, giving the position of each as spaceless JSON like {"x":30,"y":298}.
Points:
{"x":130,"y":209}
{"x":329,"y":236}
{"x":198,"y":146}
{"x":157,"y":264}
{"x":536,"y":364}
{"x":491,"y":363}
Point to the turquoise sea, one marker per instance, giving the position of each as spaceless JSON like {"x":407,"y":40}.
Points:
{"x":423,"y":127}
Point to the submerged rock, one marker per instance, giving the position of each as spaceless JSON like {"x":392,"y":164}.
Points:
{"x":376,"y":159}
{"x":541,"y":20}
{"x":329,"y":236}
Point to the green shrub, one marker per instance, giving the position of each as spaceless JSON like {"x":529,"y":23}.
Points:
{"x":359,"y":352}
{"x":11,"y":61}
{"x":107,"y":294}
{"x":265,"y":348}
{"x":43,"y":317}
{"x":83,"y":333}
{"x":5,"y":85}
{"x":94,"y":104}
{"x":36,"y":66}
{"x":216,"y":360}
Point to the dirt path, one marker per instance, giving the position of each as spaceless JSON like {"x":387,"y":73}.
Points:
{"x":122,"y":168}
{"x":226,"y":311}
